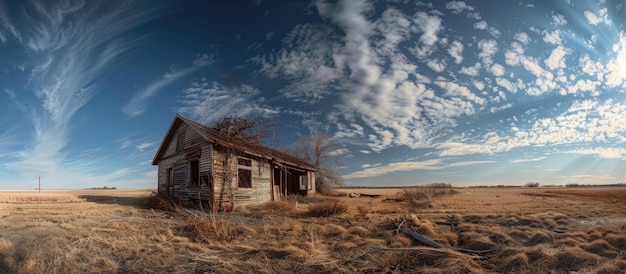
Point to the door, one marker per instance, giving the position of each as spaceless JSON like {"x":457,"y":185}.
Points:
{"x":169,"y":182}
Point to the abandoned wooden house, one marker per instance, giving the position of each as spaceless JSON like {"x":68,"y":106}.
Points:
{"x":199,"y":167}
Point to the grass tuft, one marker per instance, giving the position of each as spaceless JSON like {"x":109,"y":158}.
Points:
{"x":209,"y":229}
{"x":162,"y":201}
{"x":327,"y":208}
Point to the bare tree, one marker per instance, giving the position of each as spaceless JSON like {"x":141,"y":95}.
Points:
{"x":238,"y":132}
{"x":318,"y":149}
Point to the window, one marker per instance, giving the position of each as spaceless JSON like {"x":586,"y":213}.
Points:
{"x":170,"y":177}
{"x":244,"y":173}
{"x":244,"y":162}
{"x":303,"y":182}
{"x":194,"y":173}
{"x":180,"y":141}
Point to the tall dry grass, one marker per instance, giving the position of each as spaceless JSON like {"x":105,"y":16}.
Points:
{"x":527,"y":234}
{"x":618,"y":194}
{"x":28,"y":198}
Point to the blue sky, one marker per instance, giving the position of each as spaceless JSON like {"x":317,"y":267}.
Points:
{"x":466,"y":92}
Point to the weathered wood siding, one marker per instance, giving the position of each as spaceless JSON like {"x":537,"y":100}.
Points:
{"x":188,"y":195}
{"x":192,"y":141}
{"x":258,"y":193}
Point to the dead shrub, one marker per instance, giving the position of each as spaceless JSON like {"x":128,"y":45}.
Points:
{"x":568,"y":242}
{"x":333,"y":230}
{"x":512,"y":263}
{"x":359,"y":231}
{"x":539,"y":237}
{"x":421,"y":196}
{"x":536,"y":254}
{"x":400,"y":240}
{"x":601,"y":247}
{"x":329,"y":191}
{"x":209,"y":229}
{"x":574,"y":258}
{"x":162,"y":201}
{"x":609,"y":268}
{"x":327,"y":208}
{"x":5,"y":246}
{"x":618,"y":241}
{"x":426,"y":229}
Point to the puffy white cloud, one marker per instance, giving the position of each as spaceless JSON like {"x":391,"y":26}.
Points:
{"x":456,"y":51}
{"x":481,"y":25}
{"x":436,"y":65}
{"x":552,"y":37}
{"x":522,"y":37}
{"x":514,"y":55}
{"x":596,"y":18}
{"x":471,"y":71}
{"x":508,"y":85}
{"x":429,"y":26}
{"x":455,"y":90}
{"x":497,"y":69}
{"x":458,"y":6}
{"x":559,"y":19}
{"x":479,"y":85}
{"x":500,"y":108}
{"x":616,"y":67}
{"x":583,"y":85}
{"x":591,"y":67}
{"x":557,"y":58}
{"x":488,"y":49}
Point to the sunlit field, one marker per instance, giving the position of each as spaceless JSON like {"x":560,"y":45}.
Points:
{"x":491,"y":230}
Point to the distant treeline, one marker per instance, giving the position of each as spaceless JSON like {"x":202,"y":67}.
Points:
{"x":431,"y":185}
{"x":103,"y":187}
{"x":448,"y":185}
{"x":590,"y":185}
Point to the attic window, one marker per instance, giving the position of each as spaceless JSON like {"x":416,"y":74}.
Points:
{"x":180,"y":141}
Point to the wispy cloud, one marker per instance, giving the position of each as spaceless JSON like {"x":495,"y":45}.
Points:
{"x":529,"y":160}
{"x":74,"y":43}
{"x":584,"y":122}
{"x":209,"y":102}
{"x":138,"y":104}
{"x":407,"y":166}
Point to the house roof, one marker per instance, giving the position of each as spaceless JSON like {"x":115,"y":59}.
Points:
{"x":212,"y":135}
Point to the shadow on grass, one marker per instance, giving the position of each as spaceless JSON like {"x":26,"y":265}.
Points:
{"x":138,"y":202}
{"x":4,"y":269}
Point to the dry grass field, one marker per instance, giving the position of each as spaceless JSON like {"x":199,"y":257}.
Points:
{"x":496,"y":230}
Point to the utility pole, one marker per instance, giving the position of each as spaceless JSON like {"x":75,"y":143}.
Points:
{"x":39,"y":179}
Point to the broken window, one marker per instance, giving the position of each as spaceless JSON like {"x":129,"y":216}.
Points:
{"x":244,"y":173}
{"x":194,"y":173}
{"x":303,"y":182}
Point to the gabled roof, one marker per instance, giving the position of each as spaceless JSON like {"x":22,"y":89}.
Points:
{"x":212,"y":135}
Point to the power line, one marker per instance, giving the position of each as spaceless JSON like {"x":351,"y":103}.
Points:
{"x":39,"y":179}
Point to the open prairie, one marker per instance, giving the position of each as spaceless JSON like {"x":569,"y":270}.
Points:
{"x":423,"y":230}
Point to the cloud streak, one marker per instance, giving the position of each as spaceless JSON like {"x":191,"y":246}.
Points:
{"x":138,"y":104}
{"x":210,"y":102}
{"x":435,"y":164}
{"x":71,"y":45}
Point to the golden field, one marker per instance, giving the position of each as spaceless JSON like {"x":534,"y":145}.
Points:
{"x":482,"y":230}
